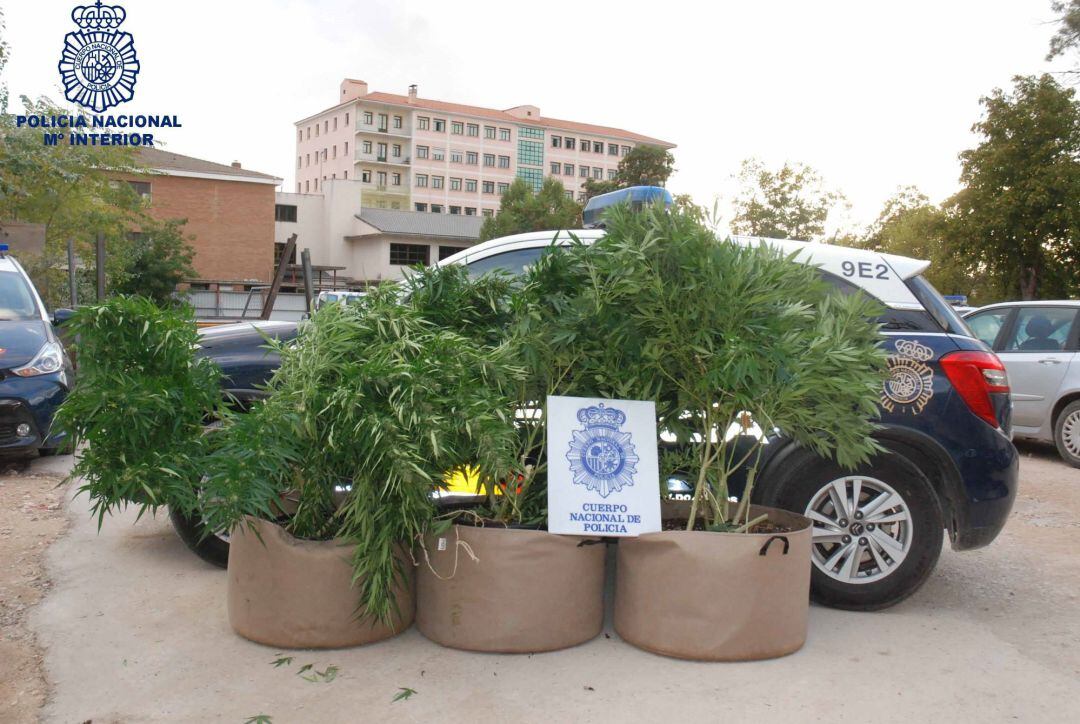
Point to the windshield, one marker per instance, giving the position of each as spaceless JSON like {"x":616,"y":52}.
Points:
{"x":942,"y":312}
{"x":16,"y":299}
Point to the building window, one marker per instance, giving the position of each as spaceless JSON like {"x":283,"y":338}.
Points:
{"x":346,"y":119}
{"x":489,"y":187}
{"x":307,"y":159}
{"x":316,"y":130}
{"x":474,"y":129}
{"x":380,"y":179}
{"x":309,"y":133}
{"x":335,"y":123}
{"x":611,"y":174}
{"x":396,"y":149}
{"x":503,"y":188}
{"x":409,"y":254}
{"x":299,"y":135}
{"x":470,"y":211}
{"x":488,"y":212}
{"x":142,"y":188}
{"x":530,"y":132}
{"x":624,"y":150}
{"x":421,"y":180}
{"x":598,"y":146}
{"x":397,"y":121}
{"x":470,"y":185}
{"x":346,"y":148}
{"x":570,"y":143}
{"x":457,"y":128}
{"x":556,"y":141}
{"x":297,"y":187}
{"x":489,"y":132}
{"x":324,"y":154}
{"x":455,"y":184}
{"x":556,"y":168}
{"x":335,"y":152}
{"x":597,"y":173}
{"x":326,"y":125}
{"x":316,"y":187}
{"x":422,"y":122}
{"x":436,"y":182}
{"x":383,"y":119}
{"x":455,"y":210}
{"x":504,"y":162}
{"x":504,"y":134}
{"x":569,"y":194}
{"x":613,"y":149}
{"x":365,"y":176}
{"x":471,"y":158}
{"x":448,"y":251}
{"x":284,"y":212}
{"x":369,"y":118}
{"x":581,"y":197}
{"x":568,"y":169}
{"x":530,"y":153}
{"x":421,"y":207}
{"x":307,"y":186}
{"x":396,"y":179}
{"x":436,"y":208}
{"x":489,"y":159}
{"x":421,"y":151}
{"x":438,"y":154}
{"x":346,"y":175}
{"x":533,"y":176}
{"x":455,"y":157}
{"x":367,"y":146}
{"x":583,"y":171}
{"x":440,"y":125}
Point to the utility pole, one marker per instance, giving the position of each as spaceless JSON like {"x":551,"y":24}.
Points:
{"x":309,"y":291}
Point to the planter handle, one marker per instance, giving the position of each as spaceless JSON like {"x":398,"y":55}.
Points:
{"x":765,"y":547}
{"x":593,"y":542}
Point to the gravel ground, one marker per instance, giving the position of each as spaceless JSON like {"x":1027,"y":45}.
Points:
{"x":135,"y":631}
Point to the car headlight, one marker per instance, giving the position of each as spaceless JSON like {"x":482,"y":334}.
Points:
{"x":49,"y":359}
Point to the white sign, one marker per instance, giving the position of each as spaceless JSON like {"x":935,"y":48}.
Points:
{"x":603,"y":474}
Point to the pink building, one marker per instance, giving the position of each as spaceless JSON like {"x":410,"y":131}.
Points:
{"x":412,"y":153}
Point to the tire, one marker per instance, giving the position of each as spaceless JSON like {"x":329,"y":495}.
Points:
{"x":886,"y":572}
{"x":1067,"y":434}
{"x":210,"y":547}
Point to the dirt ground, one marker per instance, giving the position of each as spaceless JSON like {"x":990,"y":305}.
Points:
{"x":135,"y":631}
{"x":31,"y":518}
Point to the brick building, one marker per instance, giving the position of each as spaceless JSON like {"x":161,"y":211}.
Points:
{"x":229,"y":211}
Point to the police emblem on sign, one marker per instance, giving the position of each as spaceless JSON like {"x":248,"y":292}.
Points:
{"x":601,"y":456}
{"x":98,"y":65}
{"x":910,"y":384}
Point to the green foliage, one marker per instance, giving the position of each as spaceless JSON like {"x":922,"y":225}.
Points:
{"x":376,"y":397}
{"x":1067,"y":36}
{"x":4,"y":54}
{"x":522,"y":210}
{"x":644,"y":165}
{"x":789,"y":203}
{"x":159,"y":259}
{"x":712,"y":332}
{"x":595,"y":187}
{"x":139,"y":403}
{"x":404,"y":693}
{"x":1018,"y":216}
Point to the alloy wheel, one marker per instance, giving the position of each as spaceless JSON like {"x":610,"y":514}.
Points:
{"x":1070,"y":433}
{"x":862,"y":529}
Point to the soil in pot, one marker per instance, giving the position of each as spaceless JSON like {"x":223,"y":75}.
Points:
{"x":509,"y":590}
{"x":716,"y":596}
{"x":291,"y":593}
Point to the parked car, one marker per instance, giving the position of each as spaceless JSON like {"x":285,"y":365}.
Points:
{"x":949,"y":463}
{"x":1039,"y":342}
{"x":35,"y":372}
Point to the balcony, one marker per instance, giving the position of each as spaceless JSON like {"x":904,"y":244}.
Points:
{"x":377,"y":130}
{"x":382,"y":159}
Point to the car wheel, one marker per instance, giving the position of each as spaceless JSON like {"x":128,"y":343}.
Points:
{"x":212,"y":548}
{"x":878,"y":530}
{"x":1067,"y":434}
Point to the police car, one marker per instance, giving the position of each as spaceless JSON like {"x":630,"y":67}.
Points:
{"x":35,"y":372}
{"x":950,"y":463}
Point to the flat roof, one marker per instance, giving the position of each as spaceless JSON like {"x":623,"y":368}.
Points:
{"x":422,"y":223}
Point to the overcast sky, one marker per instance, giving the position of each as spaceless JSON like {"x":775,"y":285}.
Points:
{"x":873,"y":94}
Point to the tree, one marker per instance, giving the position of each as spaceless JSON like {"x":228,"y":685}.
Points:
{"x":1018,"y":215}
{"x":644,"y":165}
{"x":3,"y":62}
{"x":789,"y":203}
{"x":523,"y":210}
{"x":160,"y":258}
{"x":1067,"y":36}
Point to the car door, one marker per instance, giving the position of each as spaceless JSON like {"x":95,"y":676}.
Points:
{"x":1035,"y":351}
{"x":988,"y":325}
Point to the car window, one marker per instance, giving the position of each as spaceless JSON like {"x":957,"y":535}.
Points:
{"x":16,"y":299}
{"x":987,"y":325}
{"x":891,"y":320}
{"x":942,"y":312}
{"x":1041,"y":329}
{"x":514,"y":262}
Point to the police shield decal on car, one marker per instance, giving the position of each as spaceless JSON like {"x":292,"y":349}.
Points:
{"x":911,"y":381}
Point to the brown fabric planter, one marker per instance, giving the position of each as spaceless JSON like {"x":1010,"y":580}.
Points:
{"x":714,"y":596}
{"x":297,"y":594}
{"x":521,"y":591}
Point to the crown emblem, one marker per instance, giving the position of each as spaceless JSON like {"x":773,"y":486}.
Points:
{"x":98,"y":16}
{"x":600,"y":416}
{"x":914,"y":350}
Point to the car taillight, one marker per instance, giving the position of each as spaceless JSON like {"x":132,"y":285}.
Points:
{"x":975,"y":376}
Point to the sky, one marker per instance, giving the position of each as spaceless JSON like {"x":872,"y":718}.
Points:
{"x":872,"y":94}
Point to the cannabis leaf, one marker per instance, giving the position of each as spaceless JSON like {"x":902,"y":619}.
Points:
{"x":404,"y":693}
{"x":283,"y":661}
{"x":259,"y":719}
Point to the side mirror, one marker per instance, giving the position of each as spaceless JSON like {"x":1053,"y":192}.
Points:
{"x":62,"y":315}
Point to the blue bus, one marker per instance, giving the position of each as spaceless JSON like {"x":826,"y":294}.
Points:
{"x":636,"y":196}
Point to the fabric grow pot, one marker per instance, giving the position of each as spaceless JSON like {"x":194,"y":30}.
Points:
{"x":716,"y":596}
{"x":509,"y":590}
{"x":291,"y":593}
